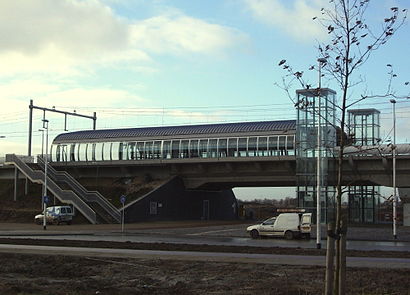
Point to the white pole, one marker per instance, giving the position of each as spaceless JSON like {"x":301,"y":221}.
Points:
{"x":42,"y":155}
{"x":42,"y":141}
{"x":394,"y":172}
{"x":45,"y":122}
{"x":122,"y":221}
{"x":318,"y":165}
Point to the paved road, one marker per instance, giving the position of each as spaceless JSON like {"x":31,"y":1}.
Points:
{"x":369,"y":262}
{"x":197,"y":233}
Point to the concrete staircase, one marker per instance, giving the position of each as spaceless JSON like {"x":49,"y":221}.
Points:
{"x":104,"y":208}
{"x":65,"y":196}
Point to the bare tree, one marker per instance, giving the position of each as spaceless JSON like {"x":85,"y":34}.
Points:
{"x":352,"y":42}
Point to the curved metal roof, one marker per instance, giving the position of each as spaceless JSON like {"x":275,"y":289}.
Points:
{"x":160,"y":132}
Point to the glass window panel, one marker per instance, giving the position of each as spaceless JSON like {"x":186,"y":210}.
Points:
{"x":273,"y":145}
{"x":132,"y":147}
{"x":122,"y":148}
{"x":175,"y":149}
{"x":262,"y":146}
{"x":232,"y":147}
{"x":166,"y":150}
{"x":72,"y":152}
{"x":282,"y":144}
{"x":140,"y":150}
{"x":213,"y":148}
{"x":242,"y":146}
{"x":58,"y":153}
{"x":82,"y":151}
{"x":157,"y":150}
{"x":184,"y":149}
{"x":54,"y":154}
{"x":93,"y":148}
{"x":203,"y":148}
{"x":76,"y":152}
{"x":98,"y":151}
{"x":115,"y":151}
{"x":148,"y":149}
{"x":64,"y":152}
{"x":289,"y":142}
{"x":193,"y":148}
{"x":252,"y":146}
{"x":107,"y":151}
{"x":222,"y":147}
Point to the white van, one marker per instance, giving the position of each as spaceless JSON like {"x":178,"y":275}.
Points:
{"x":56,"y":215}
{"x":288,"y":225}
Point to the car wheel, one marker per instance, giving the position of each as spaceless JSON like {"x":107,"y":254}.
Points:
{"x":254,"y":234}
{"x":68,"y":222}
{"x":38,"y":221}
{"x":306,"y":236}
{"x":288,"y":235}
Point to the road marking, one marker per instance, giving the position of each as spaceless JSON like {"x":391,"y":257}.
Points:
{"x":209,"y":232}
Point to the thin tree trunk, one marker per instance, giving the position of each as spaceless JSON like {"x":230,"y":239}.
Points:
{"x":342,"y":273}
{"x":330,"y":256}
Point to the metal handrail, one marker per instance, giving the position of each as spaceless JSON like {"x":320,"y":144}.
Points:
{"x":66,"y":196}
{"x":79,"y":189}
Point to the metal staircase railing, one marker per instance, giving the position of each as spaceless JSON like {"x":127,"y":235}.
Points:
{"x":65,"y":196}
{"x":81,"y":191}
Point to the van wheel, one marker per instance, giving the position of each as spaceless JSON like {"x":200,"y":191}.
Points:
{"x":254,"y":234}
{"x":288,"y":235}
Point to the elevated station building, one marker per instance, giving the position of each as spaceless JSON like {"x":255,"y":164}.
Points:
{"x":196,"y":166}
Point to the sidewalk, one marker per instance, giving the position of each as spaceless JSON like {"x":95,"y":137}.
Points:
{"x":371,"y":233}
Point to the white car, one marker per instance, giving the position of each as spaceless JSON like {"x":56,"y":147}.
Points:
{"x":288,"y":225}
{"x":56,"y":215}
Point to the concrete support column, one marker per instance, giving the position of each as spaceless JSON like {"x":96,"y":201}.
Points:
{"x":16,"y":177}
{"x":406,"y":214}
{"x":26,"y":187}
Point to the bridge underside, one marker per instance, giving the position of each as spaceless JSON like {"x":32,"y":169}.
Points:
{"x":218,"y":174}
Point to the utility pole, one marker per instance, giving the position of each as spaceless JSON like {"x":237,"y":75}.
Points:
{"x":45,"y":126}
{"x":318,"y":165}
{"x":30,"y":126}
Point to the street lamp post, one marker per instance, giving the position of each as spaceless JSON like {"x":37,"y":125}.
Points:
{"x":321,"y":61}
{"x":394,"y":171}
{"x":42,"y":155}
{"x":42,"y":141}
{"x":45,"y":126}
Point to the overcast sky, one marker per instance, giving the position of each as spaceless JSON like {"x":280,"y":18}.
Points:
{"x":158,"y":62}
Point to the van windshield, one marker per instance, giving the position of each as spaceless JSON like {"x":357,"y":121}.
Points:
{"x":269,"y":221}
{"x":306,"y":218}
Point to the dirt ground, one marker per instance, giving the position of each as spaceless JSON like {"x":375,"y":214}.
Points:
{"x":54,"y":275}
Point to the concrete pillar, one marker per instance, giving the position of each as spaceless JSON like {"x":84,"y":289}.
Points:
{"x":404,"y":194}
{"x":26,"y":187}
{"x":406,"y":214}
{"x":16,"y":178}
